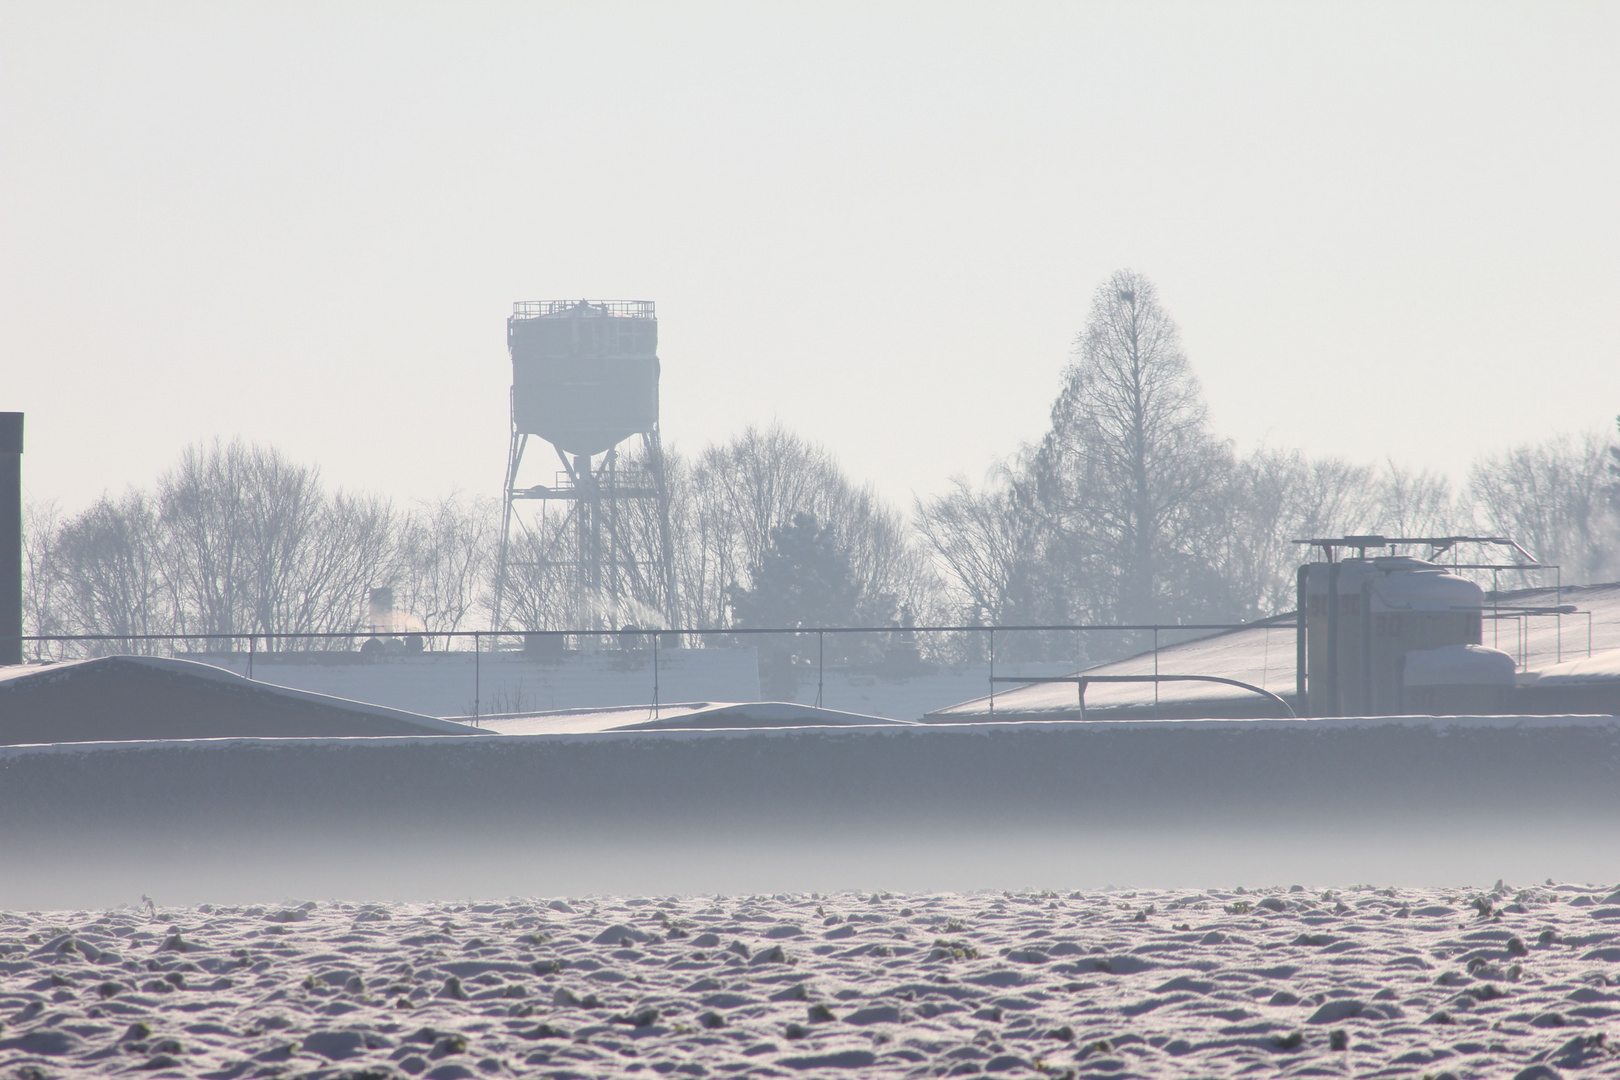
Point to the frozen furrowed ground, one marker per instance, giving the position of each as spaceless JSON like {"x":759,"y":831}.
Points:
{"x":1359,"y":981}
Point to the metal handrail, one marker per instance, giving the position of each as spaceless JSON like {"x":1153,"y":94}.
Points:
{"x":1084,"y":680}
{"x":707,"y":631}
{"x":656,"y":635}
{"x":624,"y":309}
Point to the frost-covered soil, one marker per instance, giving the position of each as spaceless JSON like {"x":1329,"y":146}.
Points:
{"x":1360,"y":982}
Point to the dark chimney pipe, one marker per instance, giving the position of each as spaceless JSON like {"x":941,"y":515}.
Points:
{"x":1302,"y":704}
{"x":11,"y":579}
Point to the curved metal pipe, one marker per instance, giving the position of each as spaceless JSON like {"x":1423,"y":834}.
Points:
{"x":1083,"y":680}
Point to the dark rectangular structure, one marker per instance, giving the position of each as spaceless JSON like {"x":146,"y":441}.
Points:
{"x":11,"y":525}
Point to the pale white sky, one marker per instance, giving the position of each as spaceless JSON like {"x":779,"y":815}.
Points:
{"x":1384,"y":229}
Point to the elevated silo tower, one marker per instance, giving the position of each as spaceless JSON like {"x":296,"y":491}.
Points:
{"x":593,"y":550}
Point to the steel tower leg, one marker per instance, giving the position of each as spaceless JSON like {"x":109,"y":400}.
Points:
{"x":514,"y":457}
{"x":666,"y":543}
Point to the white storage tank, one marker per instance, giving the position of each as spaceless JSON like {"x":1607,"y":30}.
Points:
{"x":1364,"y":616}
{"x":1457,"y":680}
{"x":584,"y":372}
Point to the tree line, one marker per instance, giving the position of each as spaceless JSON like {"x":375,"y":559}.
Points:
{"x":234,"y":539}
{"x":1129,"y":508}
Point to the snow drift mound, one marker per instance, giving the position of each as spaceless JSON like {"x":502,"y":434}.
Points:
{"x":122,"y":698}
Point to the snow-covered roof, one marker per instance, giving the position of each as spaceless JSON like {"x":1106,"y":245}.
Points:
{"x":150,"y":697}
{"x":1458,"y":665}
{"x":1263,"y":655}
{"x":699,"y":715}
{"x":1600,"y":667}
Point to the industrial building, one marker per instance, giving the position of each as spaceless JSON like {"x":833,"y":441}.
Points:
{"x":1447,"y":647}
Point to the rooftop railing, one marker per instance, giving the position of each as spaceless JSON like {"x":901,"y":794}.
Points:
{"x":1059,"y":643}
{"x":622,"y":309}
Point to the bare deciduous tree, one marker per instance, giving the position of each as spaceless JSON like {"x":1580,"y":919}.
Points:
{"x":43,"y":600}
{"x":987,"y":544}
{"x":742,"y":493}
{"x":1128,"y":510}
{"x":117,"y":582}
{"x":236,"y":539}
{"x":253,"y":543}
{"x":281,"y":516}
{"x":352,"y":549}
{"x":1552,"y":497}
{"x":1413,"y":503}
{"x":1273,"y":498}
{"x":446,"y":554}
{"x":201,"y":503}
{"x":1127,"y":472}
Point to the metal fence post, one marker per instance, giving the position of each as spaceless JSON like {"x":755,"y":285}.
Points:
{"x":821,"y":666}
{"x":992,"y":673}
{"x":204,"y":640}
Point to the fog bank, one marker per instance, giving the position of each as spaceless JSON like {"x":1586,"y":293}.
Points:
{"x":1408,"y":801}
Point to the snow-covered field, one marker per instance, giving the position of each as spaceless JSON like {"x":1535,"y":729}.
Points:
{"x":1360,"y":981}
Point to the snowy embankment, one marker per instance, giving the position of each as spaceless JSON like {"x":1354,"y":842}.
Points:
{"x":1284,"y":982}
{"x":1404,"y":800}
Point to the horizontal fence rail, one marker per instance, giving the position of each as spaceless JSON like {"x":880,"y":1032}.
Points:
{"x":655,"y":640}
{"x":710,"y":631}
{"x":652,"y":641}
